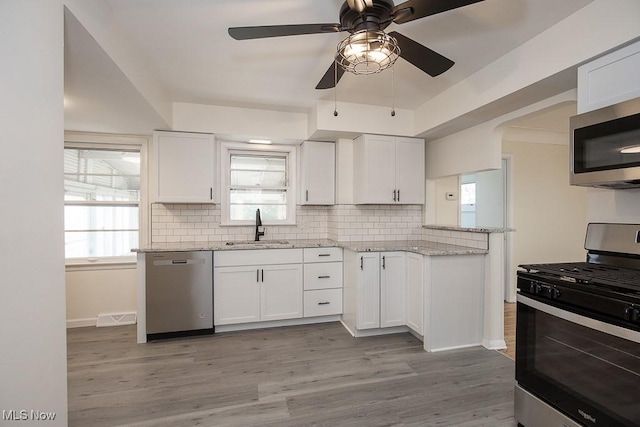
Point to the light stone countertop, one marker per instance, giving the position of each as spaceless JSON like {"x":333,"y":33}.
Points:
{"x":416,"y":246}
{"x":468,"y":229}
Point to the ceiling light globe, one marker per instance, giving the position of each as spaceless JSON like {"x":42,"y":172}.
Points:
{"x":367,"y":52}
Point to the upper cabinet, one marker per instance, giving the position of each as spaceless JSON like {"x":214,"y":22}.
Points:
{"x":184,"y":168}
{"x":317,"y":173}
{"x":388,"y":170}
{"x":609,"y":79}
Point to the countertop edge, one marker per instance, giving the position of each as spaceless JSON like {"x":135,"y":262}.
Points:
{"x":419,"y":247}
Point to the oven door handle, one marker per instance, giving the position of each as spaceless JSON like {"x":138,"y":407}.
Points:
{"x":598,"y":325}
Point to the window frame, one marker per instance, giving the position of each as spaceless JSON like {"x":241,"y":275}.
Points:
{"x":95,"y":141}
{"x":229,"y":148}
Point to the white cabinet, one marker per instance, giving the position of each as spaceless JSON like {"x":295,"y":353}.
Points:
{"x":609,"y":79}
{"x":317,"y":173}
{"x":414,"y":285}
{"x":280,"y":292}
{"x":236,"y":295}
{"x":323,"y":280}
{"x":183,"y":168}
{"x":380,"y":290}
{"x":250,"y":286}
{"x":388,"y":170}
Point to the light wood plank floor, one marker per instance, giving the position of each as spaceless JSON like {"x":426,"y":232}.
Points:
{"x":295,"y":376}
{"x":510,"y":329}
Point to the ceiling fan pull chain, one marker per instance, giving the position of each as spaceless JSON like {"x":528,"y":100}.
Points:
{"x":335,"y":88}
{"x":393,"y":94}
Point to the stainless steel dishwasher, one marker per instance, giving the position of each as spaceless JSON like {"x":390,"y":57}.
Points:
{"x":179,"y":290}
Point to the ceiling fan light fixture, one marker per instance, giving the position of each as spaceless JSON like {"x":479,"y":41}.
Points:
{"x":367,"y":52}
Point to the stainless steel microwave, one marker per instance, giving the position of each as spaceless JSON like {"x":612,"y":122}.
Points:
{"x":605,"y":147}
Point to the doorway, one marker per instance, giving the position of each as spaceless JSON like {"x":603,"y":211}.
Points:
{"x":485,"y":202}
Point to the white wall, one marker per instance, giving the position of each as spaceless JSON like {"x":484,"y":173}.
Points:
{"x":33,"y":366}
{"x":550,"y":216}
{"x":596,"y":28}
{"x":447,"y":211}
{"x":258,"y":123}
{"x":490,"y":199}
{"x":93,"y":292}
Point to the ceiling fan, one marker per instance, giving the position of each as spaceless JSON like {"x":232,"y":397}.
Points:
{"x":366,"y":20}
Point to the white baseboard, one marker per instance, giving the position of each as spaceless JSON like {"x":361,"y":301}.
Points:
{"x":81,"y":323}
{"x":455,"y":347}
{"x":494,"y":344}
{"x":276,"y":323}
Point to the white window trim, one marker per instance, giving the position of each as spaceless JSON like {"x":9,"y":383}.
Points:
{"x":114,"y":142}
{"x":226,"y":148}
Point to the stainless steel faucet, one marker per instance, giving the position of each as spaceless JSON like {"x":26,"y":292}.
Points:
{"x":258,"y":224}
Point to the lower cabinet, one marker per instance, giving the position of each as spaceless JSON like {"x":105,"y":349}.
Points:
{"x":380,"y":290}
{"x":322,"y":282}
{"x":256,"y":292}
{"x":414,"y":291}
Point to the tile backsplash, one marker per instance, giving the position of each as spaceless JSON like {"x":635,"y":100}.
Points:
{"x":201,"y":223}
{"x":172,"y":223}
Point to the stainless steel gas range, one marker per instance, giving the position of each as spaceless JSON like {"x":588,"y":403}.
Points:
{"x":578,"y":335}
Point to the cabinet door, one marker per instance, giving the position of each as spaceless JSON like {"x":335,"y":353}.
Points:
{"x":281,"y":292}
{"x":184,"y":167}
{"x":414,"y":283}
{"x":392,"y":289}
{"x":374,"y":159}
{"x":368,"y":290}
{"x":236,"y":295}
{"x":317,"y":174}
{"x":410,"y":179}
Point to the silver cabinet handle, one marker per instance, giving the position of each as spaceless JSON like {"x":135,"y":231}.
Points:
{"x":324,"y":277}
{"x":324,"y":303}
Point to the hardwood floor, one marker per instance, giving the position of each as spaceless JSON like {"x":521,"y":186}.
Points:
{"x":510,"y":330}
{"x":294,"y":376}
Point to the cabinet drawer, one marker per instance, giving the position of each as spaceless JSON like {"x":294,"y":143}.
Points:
{"x":256,"y":257}
{"x":325,"y":275}
{"x":322,"y":254}
{"x":322,"y":302}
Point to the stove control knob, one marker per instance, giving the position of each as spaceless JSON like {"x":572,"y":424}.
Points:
{"x":554,"y":293}
{"x":632,"y":314}
{"x":534,"y":287}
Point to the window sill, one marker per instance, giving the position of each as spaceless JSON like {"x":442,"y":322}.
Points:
{"x":86,"y":264}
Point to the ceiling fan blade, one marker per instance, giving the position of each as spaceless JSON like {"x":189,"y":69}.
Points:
{"x":422,"y":57}
{"x":359,"y":5}
{"x":328,"y":80}
{"x":416,"y":9}
{"x":246,"y":33}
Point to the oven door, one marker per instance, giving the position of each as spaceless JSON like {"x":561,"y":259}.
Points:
{"x":585,"y":368}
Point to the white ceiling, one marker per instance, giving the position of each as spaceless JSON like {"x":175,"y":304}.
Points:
{"x":187,"y":47}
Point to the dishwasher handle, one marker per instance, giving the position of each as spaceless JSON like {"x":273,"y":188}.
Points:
{"x":178,"y":261}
